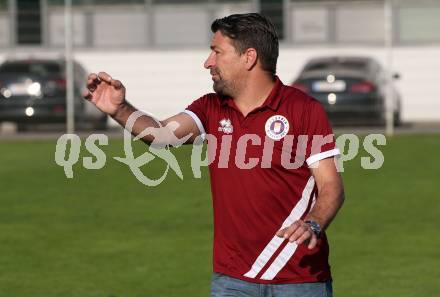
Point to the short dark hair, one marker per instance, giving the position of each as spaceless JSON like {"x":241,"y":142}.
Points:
{"x":251,"y":30}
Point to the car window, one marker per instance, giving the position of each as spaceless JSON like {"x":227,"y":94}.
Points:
{"x":355,"y":65}
{"x":33,"y":68}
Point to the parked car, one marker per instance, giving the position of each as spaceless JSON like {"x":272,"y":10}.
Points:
{"x":33,"y":90}
{"x":351,"y":89}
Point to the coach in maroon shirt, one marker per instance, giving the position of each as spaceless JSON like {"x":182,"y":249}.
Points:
{"x":274,"y":182}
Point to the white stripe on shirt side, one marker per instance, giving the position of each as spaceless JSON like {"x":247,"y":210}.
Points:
{"x":313,"y":201}
{"x":197,"y":121}
{"x":280,"y":261}
{"x":276,"y":241}
{"x":264,"y":257}
{"x":285,"y":255}
{"x":317,"y":157}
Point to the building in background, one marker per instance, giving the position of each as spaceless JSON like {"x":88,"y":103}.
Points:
{"x":151,"y":43}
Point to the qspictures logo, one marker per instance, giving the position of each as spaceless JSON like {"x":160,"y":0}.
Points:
{"x":276,"y":129}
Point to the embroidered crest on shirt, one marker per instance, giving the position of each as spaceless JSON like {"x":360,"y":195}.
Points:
{"x":225,"y":126}
{"x":276,"y":127}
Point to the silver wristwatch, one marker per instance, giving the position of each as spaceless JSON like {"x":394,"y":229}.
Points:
{"x":316,"y":228}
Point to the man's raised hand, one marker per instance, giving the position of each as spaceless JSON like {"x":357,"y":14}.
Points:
{"x":106,"y":93}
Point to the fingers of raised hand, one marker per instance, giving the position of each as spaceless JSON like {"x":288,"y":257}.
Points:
{"x":92,"y":76}
{"x":86,"y":94}
{"x":105,"y":77}
{"x":116,"y":84}
{"x":92,"y":82}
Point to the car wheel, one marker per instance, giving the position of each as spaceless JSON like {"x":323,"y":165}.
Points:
{"x":23,"y":127}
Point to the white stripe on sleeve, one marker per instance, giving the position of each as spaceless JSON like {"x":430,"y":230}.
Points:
{"x":317,"y":157}
{"x":197,"y":121}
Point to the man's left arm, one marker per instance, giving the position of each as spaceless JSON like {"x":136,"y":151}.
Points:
{"x":330,"y":199}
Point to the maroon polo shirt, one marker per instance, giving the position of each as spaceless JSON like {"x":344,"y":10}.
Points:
{"x":261,"y":182}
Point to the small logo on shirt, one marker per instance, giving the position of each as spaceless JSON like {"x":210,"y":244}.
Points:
{"x":225,"y":126}
{"x":277,"y":127}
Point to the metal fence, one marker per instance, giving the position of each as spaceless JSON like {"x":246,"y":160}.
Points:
{"x":414,"y":22}
{"x":103,"y":24}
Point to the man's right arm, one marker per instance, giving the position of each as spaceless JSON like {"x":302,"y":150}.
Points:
{"x":108,"y":95}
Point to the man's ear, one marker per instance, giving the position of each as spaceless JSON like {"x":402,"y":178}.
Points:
{"x":251,"y":58}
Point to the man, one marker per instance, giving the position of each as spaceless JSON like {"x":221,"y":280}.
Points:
{"x":269,"y":218}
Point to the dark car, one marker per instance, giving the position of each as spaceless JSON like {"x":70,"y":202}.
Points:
{"x":351,"y":89}
{"x":34,"y":91}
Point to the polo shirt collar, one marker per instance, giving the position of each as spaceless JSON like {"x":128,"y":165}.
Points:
{"x":272,"y":101}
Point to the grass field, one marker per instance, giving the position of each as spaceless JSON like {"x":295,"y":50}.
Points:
{"x":104,"y":234}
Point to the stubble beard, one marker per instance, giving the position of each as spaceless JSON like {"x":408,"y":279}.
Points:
{"x":223,"y":88}
{"x":219,"y":87}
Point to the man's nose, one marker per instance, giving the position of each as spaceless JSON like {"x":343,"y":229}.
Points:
{"x":209,"y":62}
